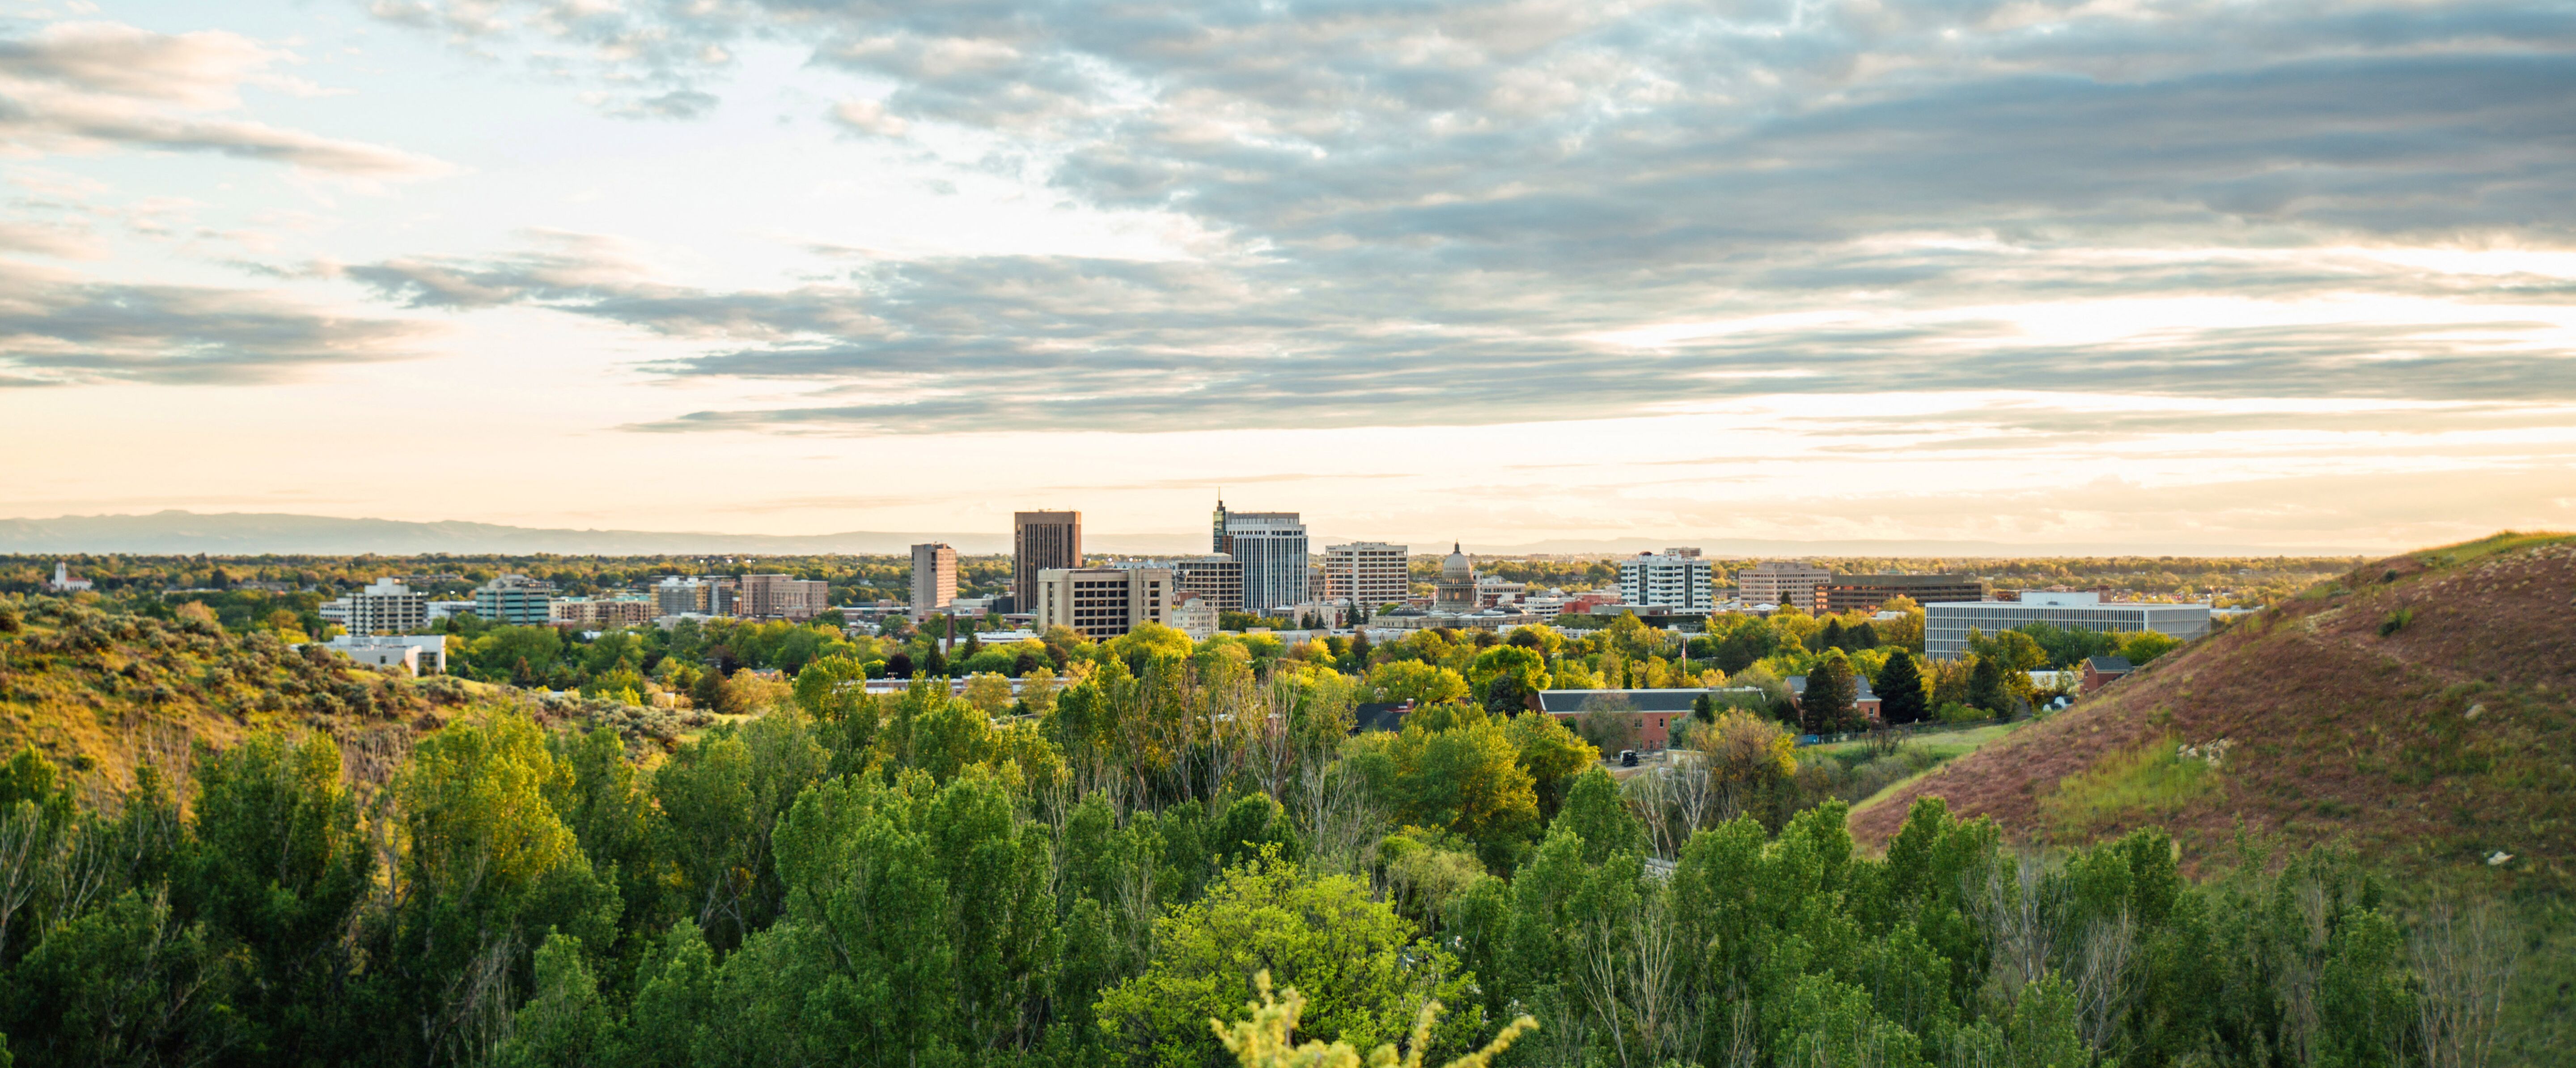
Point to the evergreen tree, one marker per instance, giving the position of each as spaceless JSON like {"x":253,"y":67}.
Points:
{"x":1704,"y":709}
{"x":1986,"y":687}
{"x":1829,"y":703}
{"x":1832,"y":637}
{"x":1901,"y":695}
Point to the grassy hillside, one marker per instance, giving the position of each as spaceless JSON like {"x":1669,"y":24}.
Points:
{"x":98,"y":691}
{"x":2416,"y":709}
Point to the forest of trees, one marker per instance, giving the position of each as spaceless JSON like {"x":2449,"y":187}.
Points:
{"x":1090,"y":872}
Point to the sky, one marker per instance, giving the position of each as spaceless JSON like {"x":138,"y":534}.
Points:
{"x":2162,"y":276}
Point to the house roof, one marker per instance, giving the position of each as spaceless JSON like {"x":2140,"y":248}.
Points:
{"x":1860,"y":687}
{"x":1380,"y":716}
{"x":2110,"y":665}
{"x":1657,"y":701}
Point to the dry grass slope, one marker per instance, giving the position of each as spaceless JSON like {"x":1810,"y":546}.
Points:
{"x":2417,"y":709}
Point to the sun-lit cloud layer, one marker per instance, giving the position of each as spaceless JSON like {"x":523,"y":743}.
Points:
{"x":2247,"y":261}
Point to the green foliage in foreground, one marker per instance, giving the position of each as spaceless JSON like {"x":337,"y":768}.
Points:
{"x":904,"y":882}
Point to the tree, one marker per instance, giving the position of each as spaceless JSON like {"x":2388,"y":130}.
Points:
{"x":1415,"y":681}
{"x":1987,"y":688}
{"x":1264,"y":1040}
{"x":1832,"y":691}
{"x":1595,"y":810}
{"x":1365,"y":979}
{"x":1507,"y":675}
{"x":1552,"y":754}
{"x":1902,"y":694}
{"x":565,"y":1025}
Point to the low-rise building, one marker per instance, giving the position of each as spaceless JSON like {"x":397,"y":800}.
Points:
{"x":1946,"y":625}
{"x":419,"y":654}
{"x":515,"y":599}
{"x":1864,"y":593}
{"x":1781,"y":582}
{"x":1103,"y":602}
{"x":2101,"y":671}
{"x":1195,"y":616}
{"x":601,"y":612}
{"x":66,"y":582}
{"x":788,"y":597}
{"x":1659,"y":712}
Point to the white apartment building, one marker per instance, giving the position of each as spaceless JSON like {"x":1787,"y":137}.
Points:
{"x":1366,"y":574}
{"x":1674,"y":578}
{"x":1946,"y":624}
{"x":934,"y":578}
{"x":385,"y":606}
{"x":1780,"y":582}
{"x":1104,"y":602}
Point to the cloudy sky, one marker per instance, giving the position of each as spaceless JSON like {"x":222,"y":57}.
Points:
{"x":2164,"y":275}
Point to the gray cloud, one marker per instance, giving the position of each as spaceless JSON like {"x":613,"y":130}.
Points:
{"x":1431,"y":212}
{"x":60,"y":330}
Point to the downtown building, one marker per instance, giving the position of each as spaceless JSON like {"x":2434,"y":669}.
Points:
{"x":1271,"y":546}
{"x":1366,"y":574}
{"x":1946,"y":624}
{"x":1041,"y":541}
{"x":934,"y":578}
{"x":1103,"y":602}
{"x":1215,"y":578}
{"x":1676,"y":579}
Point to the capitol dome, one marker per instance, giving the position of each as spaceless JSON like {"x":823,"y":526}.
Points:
{"x":1456,"y":566}
{"x":1457,"y":585}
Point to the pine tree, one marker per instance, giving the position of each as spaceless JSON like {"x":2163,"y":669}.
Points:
{"x":1986,"y":688}
{"x":1704,"y":709}
{"x":1832,"y":636}
{"x":1900,"y":690}
{"x":1828,"y":704}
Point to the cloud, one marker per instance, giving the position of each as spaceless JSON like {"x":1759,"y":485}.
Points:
{"x":58,"y":329}
{"x":1449,"y":213}
{"x":76,"y":86}
{"x":868,"y":117}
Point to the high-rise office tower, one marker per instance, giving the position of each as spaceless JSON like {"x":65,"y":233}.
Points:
{"x":1041,"y":541}
{"x":1674,"y":578}
{"x":934,"y":578}
{"x":1272,"y":548}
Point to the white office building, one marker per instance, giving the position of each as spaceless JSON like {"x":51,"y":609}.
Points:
{"x":1946,"y":624}
{"x":1673,"y":578}
{"x":1366,"y":574}
{"x":1272,"y":548}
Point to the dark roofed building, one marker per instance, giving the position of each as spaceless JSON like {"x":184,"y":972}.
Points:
{"x":1658,"y":711}
{"x":1864,"y":700}
{"x":2101,"y":671}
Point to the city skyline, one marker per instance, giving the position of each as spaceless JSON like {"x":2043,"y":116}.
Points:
{"x":2160,"y":279}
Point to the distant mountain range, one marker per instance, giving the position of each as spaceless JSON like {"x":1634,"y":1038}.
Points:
{"x":253,"y":533}
{"x":247,"y":533}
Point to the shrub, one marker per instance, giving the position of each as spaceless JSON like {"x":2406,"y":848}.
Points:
{"x":2396,"y":621}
